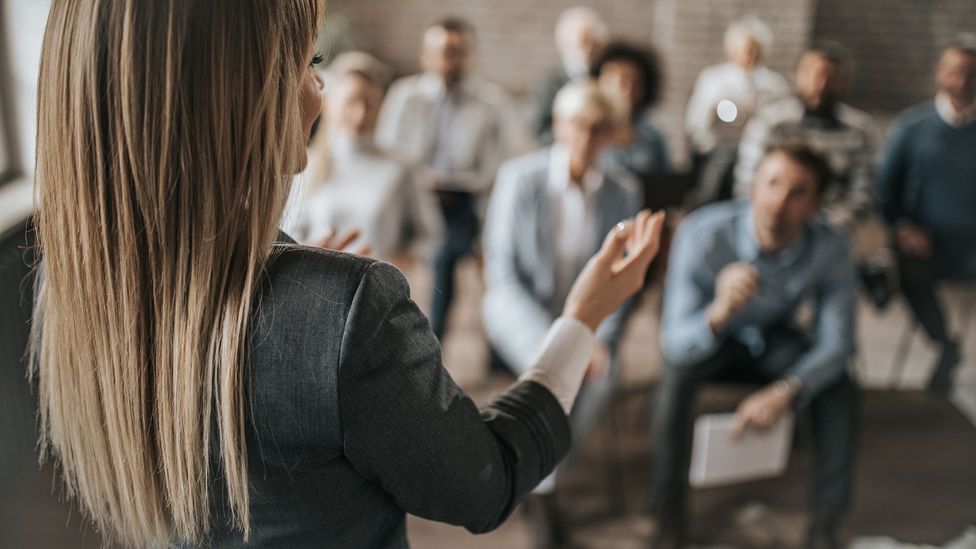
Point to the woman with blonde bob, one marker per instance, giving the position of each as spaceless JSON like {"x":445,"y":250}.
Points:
{"x":202,"y":379}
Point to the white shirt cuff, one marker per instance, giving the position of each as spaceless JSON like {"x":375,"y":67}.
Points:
{"x":562,"y":362}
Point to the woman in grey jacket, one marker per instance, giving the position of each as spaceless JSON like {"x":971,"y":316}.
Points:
{"x":202,"y":379}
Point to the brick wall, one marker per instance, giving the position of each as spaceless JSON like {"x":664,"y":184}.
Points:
{"x":895,"y":44}
{"x":894,"y":41}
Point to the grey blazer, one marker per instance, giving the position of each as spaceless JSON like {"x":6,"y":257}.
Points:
{"x":520,"y":300}
{"x":354,"y":422}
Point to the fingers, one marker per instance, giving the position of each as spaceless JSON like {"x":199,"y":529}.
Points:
{"x":342,"y":243}
{"x":326,"y":240}
{"x":616,"y":242}
{"x":739,"y":426}
{"x":345,"y":240}
{"x":646,"y":242}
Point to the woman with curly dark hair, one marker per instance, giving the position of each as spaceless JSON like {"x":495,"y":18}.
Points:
{"x":634,"y":74}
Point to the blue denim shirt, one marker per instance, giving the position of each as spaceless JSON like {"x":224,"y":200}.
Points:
{"x":816,"y":268}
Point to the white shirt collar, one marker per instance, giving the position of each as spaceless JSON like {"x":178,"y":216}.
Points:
{"x":559,"y":173}
{"x":949,"y":114}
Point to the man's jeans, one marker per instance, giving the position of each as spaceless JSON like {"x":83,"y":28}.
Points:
{"x":833,"y":414}
{"x":461,"y":229}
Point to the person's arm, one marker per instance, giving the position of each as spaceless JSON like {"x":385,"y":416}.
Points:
{"x":544,"y":96}
{"x":686,"y":335}
{"x":663,"y":153}
{"x":388,"y":126}
{"x":755,"y":139}
{"x":862,"y":190}
{"x":700,"y":114}
{"x":480,"y":176}
{"x":514,"y":319}
{"x":424,"y":225}
{"x":410,"y":429}
{"x":835,"y":329}
{"x":891,"y":176}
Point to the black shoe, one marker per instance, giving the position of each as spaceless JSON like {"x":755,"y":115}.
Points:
{"x":941,"y":381}
{"x":876,"y":284}
{"x":823,"y":535}
{"x":672,"y":528}
{"x":547,"y":522}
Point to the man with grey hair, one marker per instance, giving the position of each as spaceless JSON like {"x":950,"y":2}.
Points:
{"x":580,"y":36}
{"x":724,"y":99}
{"x":548,"y":213}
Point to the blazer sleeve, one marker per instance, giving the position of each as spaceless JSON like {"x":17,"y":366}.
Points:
{"x":408,"y":427}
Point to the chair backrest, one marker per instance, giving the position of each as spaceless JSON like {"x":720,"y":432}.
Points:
{"x":666,"y":190}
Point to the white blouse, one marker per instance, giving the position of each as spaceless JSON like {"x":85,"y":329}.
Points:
{"x":369,"y":190}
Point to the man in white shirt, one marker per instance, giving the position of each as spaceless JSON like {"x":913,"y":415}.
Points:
{"x":724,"y":99}
{"x":450,"y":126}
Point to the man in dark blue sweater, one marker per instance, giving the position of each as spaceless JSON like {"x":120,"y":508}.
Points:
{"x":928,"y":196}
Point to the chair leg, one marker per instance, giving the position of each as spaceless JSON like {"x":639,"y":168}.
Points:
{"x":901,"y":355}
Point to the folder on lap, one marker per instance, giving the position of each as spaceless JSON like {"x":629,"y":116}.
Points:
{"x":717,"y":458}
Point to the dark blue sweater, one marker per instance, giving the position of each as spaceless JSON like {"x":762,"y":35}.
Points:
{"x":928,"y":173}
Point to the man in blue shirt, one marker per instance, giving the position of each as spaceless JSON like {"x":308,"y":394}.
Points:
{"x":928,"y":196}
{"x":738,"y":273}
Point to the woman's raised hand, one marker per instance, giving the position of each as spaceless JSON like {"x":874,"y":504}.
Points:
{"x":617,"y":271}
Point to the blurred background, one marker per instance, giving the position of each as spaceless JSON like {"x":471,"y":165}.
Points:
{"x":916,"y":472}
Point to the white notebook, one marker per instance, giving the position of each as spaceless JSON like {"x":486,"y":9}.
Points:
{"x":717,"y":458}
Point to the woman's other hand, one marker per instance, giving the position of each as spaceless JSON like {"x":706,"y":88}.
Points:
{"x":617,"y":271}
{"x":343,"y":242}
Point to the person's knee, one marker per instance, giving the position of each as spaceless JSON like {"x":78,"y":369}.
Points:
{"x":679,"y":380}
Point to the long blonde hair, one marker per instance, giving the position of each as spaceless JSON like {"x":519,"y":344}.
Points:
{"x":167,"y":131}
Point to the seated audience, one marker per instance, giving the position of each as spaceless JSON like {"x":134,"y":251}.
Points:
{"x":928,"y":196}
{"x":743,"y":85}
{"x":546,"y":218}
{"x":580,"y":35}
{"x":634,"y":75}
{"x":816,"y":115}
{"x":738,"y":273}
{"x":447,"y":126}
{"x":352,"y":184}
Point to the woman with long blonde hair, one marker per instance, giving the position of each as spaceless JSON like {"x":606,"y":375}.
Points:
{"x":202,"y":379}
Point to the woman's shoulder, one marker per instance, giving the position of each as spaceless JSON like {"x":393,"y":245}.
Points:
{"x":315,"y":271}
{"x":308,"y":276}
